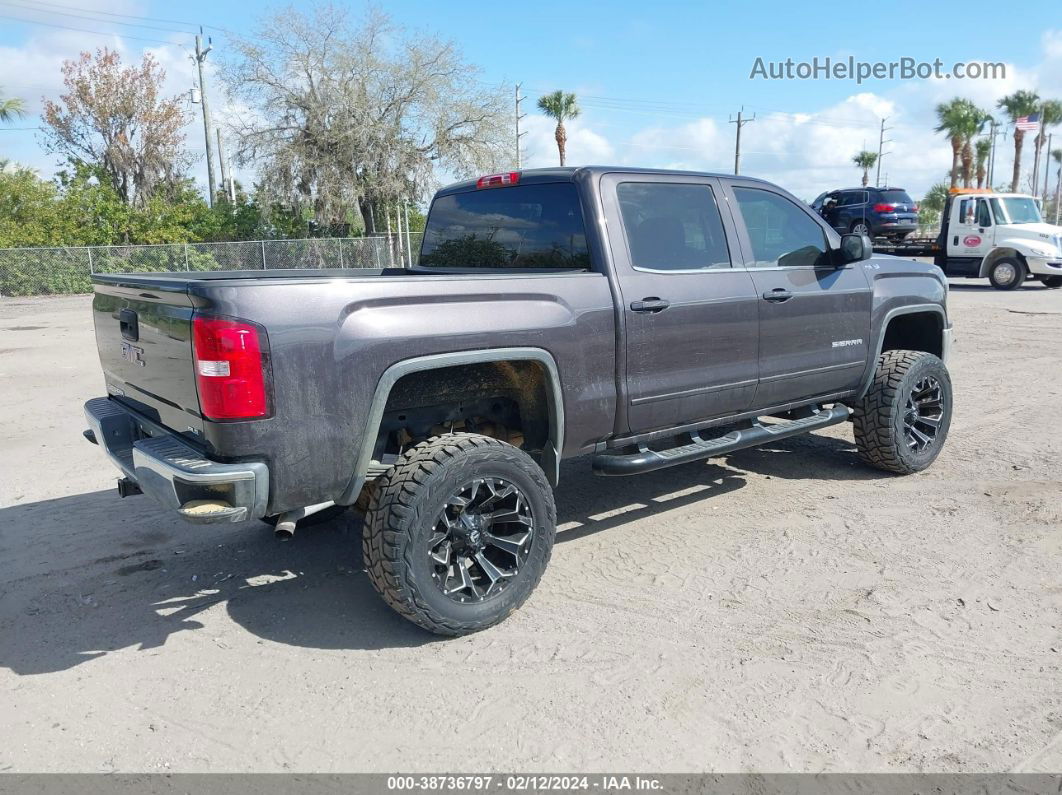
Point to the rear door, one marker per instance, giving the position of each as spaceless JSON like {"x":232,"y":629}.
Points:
{"x":814,"y":317}
{"x":690,"y":315}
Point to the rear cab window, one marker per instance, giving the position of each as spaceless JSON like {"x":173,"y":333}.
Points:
{"x":538,"y":226}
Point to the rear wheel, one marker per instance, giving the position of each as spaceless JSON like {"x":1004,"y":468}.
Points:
{"x":902,"y":422}
{"x":1007,"y":273}
{"x":459,"y":532}
{"x":860,"y":228}
{"x":1054,"y":282}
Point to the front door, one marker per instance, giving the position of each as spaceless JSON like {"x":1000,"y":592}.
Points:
{"x":969,"y":233}
{"x":690,"y":315}
{"x":814,"y":316}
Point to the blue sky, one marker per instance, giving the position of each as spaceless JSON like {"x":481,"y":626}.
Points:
{"x":658,"y":82}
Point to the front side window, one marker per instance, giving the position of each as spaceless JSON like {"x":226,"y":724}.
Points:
{"x":672,"y":226}
{"x":537,"y":226}
{"x":781,"y":234}
{"x":984,"y":217}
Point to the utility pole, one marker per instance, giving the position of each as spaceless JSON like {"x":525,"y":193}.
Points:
{"x":740,"y":122}
{"x":1058,"y":192}
{"x":992,"y":133}
{"x":1047,"y":168}
{"x":1040,"y":134}
{"x":200,"y":56}
{"x":881,"y":150}
{"x":519,"y":116}
{"x":228,"y":184}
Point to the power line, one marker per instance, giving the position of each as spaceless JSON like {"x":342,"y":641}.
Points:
{"x":86,"y":30}
{"x":113,"y":14}
{"x":31,"y":9}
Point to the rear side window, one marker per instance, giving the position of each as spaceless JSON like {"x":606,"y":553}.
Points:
{"x":537,"y":226}
{"x":781,"y":233}
{"x":672,"y":226}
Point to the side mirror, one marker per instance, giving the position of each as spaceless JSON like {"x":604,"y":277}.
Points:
{"x":854,"y":248}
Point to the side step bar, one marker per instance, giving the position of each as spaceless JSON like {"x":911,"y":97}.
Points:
{"x":646,"y":460}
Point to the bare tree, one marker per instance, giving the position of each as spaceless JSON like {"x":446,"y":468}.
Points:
{"x":114,"y":118}
{"x":346,"y":117}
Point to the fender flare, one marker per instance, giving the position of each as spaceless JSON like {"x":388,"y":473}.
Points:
{"x":551,"y":453}
{"x":1000,"y":251}
{"x":910,"y":309}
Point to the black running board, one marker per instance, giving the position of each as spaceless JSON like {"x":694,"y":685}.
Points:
{"x":646,"y":460}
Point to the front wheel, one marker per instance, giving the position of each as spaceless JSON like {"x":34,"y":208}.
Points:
{"x":1053,"y":282}
{"x":459,"y":532}
{"x":902,"y":422}
{"x":1007,"y":273}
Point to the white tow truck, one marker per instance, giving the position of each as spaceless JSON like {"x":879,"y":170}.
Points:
{"x":998,"y":236}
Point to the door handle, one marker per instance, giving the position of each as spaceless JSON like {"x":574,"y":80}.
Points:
{"x":777,"y":295}
{"x":650,"y":305}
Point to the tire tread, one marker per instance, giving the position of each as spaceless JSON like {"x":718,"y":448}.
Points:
{"x":392,"y":505}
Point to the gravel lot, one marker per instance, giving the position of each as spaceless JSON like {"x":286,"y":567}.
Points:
{"x":779,"y":609}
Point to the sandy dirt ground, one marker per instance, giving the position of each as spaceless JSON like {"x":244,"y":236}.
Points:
{"x":780,"y":609}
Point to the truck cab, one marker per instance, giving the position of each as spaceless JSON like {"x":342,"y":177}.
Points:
{"x":1001,"y":237}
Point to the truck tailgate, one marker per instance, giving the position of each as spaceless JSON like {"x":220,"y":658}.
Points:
{"x":143,"y":333}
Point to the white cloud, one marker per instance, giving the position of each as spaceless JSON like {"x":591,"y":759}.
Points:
{"x":812,"y":151}
{"x":584,"y":146}
{"x":806,"y":152}
{"x":32,"y":71}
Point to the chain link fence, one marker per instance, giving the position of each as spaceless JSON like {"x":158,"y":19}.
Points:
{"x":55,"y":271}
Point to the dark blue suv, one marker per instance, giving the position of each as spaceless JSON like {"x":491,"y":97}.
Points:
{"x":876,"y":212}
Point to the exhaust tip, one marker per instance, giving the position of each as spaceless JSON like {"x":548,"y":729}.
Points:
{"x":285,"y":529}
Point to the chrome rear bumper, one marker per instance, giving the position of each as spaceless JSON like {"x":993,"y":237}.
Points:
{"x":174,"y":473}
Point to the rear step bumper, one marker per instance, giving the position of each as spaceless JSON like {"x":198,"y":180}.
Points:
{"x":646,"y":460}
{"x":172,"y":472}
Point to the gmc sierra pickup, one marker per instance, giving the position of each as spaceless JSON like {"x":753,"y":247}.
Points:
{"x":642,"y":318}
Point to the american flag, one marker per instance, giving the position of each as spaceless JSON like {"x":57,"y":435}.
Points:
{"x":1030,"y":123}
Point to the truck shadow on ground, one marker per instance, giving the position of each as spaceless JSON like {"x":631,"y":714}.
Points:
{"x":63,"y":604}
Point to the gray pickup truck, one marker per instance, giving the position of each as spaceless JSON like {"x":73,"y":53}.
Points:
{"x":641,"y":318}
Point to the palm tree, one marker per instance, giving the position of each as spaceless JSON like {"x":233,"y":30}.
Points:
{"x":982,"y":149}
{"x":932,"y":204}
{"x":1020,"y":103}
{"x":1050,"y":115}
{"x":960,"y":120}
{"x":559,"y":106}
{"x":10,"y":108}
{"x":865,"y":160}
{"x":973,"y":123}
{"x":949,"y":116}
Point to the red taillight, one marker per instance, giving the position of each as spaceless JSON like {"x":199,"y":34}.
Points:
{"x":914,"y":208}
{"x":230,"y":363}
{"x":884,"y":208}
{"x":498,"y":180}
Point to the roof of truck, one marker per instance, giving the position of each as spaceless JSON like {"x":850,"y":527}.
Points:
{"x":530,"y":176}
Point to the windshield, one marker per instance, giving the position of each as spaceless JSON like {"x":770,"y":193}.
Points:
{"x":526,"y":226}
{"x":1016,"y":210}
